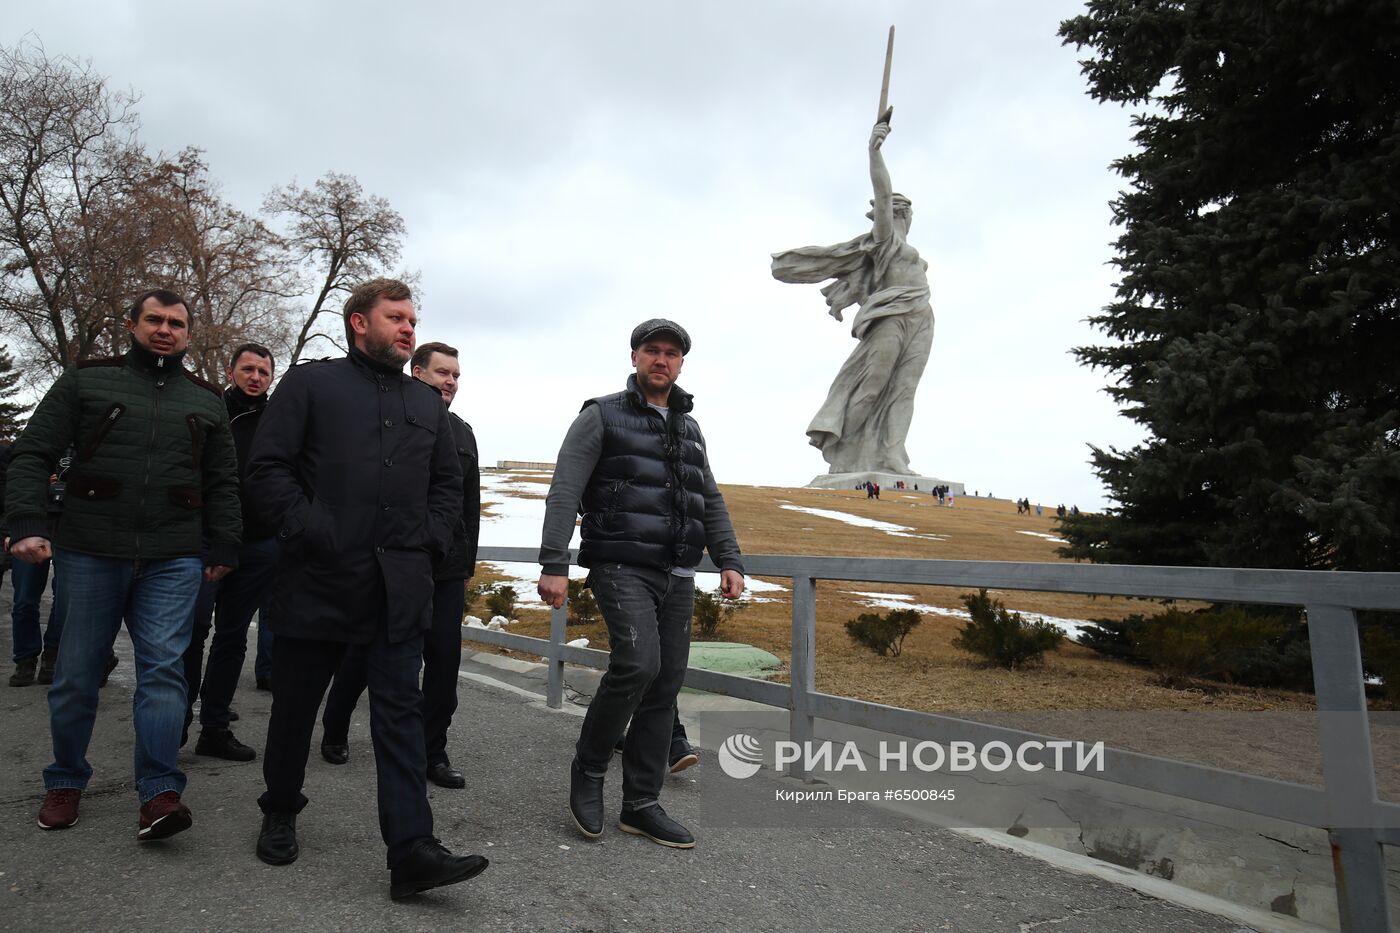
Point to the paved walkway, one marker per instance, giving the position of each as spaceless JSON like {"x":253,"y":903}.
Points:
{"x":890,"y":875}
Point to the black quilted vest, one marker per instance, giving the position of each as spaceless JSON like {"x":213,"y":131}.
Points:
{"x":645,"y":503}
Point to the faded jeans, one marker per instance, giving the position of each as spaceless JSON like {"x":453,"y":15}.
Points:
{"x":647,"y":612}
{"x":154,"y":598}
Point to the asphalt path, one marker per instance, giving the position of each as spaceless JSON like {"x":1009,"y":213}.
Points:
{"x":888,"y":874}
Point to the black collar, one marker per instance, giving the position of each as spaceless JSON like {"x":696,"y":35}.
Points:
{"x":365,"y":361}
{"x":679,"y":401}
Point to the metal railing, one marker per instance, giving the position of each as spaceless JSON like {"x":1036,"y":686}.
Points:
{"x":1347,"y":806}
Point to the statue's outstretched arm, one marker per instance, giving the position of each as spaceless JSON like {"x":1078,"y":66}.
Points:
{"x":880,"y":181}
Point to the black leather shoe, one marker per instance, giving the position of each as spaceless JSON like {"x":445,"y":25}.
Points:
{"x":430,"y":865}
{"x":277,"y":843}
{"x":586,"y":801}
{"x":682,"y":756}
{"x":444,"y":775}
{"x":335,"y":754}
{"x":653,"y":823}
{"x":222,"y":744}
{"x":233,"y":715}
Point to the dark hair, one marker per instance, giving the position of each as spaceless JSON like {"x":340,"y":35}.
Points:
{"x":256,"y":349}
{"x":165,"y":296}
{"x":368,"y":294}
{"x":425,"y":352}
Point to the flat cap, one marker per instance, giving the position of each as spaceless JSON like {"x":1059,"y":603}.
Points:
{"x":659,"y":325}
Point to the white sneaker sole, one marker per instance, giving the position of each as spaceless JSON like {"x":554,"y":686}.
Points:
{"x":659,"y":841}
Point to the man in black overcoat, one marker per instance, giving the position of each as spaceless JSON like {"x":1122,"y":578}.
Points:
{"x":356,"y":463}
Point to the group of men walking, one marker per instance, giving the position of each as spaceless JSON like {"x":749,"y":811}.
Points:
{"x":344,"y":512}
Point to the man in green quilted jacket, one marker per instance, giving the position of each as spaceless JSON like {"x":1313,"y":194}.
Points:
{"x":155,"y":477}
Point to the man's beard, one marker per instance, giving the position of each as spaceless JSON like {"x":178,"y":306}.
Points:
{"x":384,"y":352}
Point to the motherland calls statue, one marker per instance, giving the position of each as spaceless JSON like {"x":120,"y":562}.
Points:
{"x":863,"y":424}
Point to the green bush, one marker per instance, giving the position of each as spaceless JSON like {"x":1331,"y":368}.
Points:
{"x":711,"y":609}
{"x":883,"y":634}
{"x":583,"y":608}
{"x":500,"y":601}
{"x":471,"y":594}
{"x":1002,"y":637}
{"x":1233,"y":644}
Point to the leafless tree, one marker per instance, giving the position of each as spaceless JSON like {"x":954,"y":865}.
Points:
{"x":339,"y":236}
{"x":70,"y":167}
{"x":238,"y":276}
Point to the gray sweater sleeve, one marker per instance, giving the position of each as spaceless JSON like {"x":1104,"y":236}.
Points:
{"x":720,"y":539}
{"x":577,"y":458}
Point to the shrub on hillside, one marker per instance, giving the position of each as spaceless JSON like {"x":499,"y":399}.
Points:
{"x":583,"y":608}
{"x":711,"y":609}
{"x":1003,"y":637}
{"x":1232,"y":644}
{"x":471,"y":594}
{"x":500,"y":601}
{"x":883,"y":634}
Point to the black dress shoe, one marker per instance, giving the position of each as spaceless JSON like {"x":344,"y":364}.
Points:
{"x":233,"y":715}
{"x":682,"y":756}
{"x":444,"y":775}
{"x":336,"y":754}
{"x":222,"y":744}
{"x":429,"y":865}
{"x":586,"y":801}
{"x":277,"y":843}
{"x":653,"y":823}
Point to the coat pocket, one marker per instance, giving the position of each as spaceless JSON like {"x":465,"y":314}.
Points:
{"x":84,"y":487}
{"x":186,"y":497}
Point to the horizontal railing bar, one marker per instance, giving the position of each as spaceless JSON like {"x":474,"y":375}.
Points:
{"x":1214,"y":584}
{"x":1294,"y":803}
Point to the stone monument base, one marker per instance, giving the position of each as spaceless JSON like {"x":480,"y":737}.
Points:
{"x":886,"y":482}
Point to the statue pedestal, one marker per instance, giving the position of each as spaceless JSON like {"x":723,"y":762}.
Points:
{"x":886,"y":482}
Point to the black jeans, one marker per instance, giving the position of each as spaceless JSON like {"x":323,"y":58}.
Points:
{"x":232,"y":602}
{"x":648,"y":614}
{"x":442,"y":659}
{"x":301,"y":670}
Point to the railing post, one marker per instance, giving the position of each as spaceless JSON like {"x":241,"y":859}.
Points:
{"x":1344,"y":731}
{"x":804,"y":666}
{"x":558,"y":624}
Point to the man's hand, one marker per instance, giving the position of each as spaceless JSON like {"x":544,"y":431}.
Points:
{"x":33,"y":549}
{"x":731,"y":584}
{"x":216,"y":573}
{"x":553,"y":589}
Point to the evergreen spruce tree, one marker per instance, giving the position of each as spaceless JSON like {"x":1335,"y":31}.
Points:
{"x":1256,"y":328}
{"x":11,"y":412}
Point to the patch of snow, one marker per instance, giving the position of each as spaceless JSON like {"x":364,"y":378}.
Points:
{"x":1071,"y":627}
{"x":577,"y":643}
{"x":1040,"y":534}
{"x":889,"y":528}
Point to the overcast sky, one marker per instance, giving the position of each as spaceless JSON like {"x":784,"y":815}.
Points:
{"x":567,"y":169}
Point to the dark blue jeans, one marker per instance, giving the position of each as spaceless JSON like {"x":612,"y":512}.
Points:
{"x":29,"y":581}
{"x":648,"y":614}
{"x":232,"y":603}
{"x":153,"y":597}
{"x":262,"y":664}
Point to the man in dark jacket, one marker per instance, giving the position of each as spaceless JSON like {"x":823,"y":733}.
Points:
{"x":435,"y":364}
{"x":356,"y":463}
{"x":634,"y":464}
{"x":155,"y":477}
{"x":232,"y":601}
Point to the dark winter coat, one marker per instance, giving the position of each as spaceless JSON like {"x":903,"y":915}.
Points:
{"x":356,"y":464}
{"x":244,"y":413}
{"x":460,"y":563}
{"x":155,"y":473}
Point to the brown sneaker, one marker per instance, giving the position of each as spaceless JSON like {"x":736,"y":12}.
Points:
{"x":163,"y":816}
{"x":60,"y":808}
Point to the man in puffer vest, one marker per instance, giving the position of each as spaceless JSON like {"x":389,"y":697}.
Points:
{"x":154,"y":476}
{"x":634,"y":465}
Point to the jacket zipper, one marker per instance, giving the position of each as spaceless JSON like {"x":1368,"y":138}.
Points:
{"x":150,"y":446}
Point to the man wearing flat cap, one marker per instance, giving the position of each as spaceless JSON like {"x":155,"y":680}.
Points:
{"x":634,"y":465}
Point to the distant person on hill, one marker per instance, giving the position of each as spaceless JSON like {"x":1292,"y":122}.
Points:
{"x":636,"y":466}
